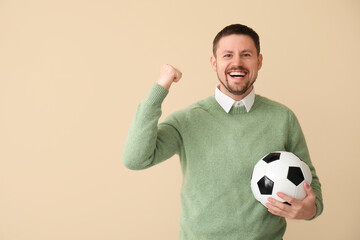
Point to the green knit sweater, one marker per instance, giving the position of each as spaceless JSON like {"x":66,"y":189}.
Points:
{"x":217,"y":152}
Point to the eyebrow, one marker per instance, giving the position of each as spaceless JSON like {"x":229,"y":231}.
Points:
{"x":229,"y":51}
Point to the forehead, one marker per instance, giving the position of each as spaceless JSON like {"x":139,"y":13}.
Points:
{"x":236,"y":42}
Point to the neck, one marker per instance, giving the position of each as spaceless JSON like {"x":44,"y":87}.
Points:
{"x":236,"y":97}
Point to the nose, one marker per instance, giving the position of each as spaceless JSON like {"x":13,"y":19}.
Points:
{"x":237,"y":60}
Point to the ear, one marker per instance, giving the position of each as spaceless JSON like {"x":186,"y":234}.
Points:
{"x":213,"y":63}
{"x":260,"y":59}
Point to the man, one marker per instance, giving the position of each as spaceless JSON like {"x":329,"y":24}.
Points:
{"x":219,"y":140}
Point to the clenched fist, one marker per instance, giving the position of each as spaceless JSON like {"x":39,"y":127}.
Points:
{"x":168,"y":75}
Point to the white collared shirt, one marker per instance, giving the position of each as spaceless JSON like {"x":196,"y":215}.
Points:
{"x":227,"y":102}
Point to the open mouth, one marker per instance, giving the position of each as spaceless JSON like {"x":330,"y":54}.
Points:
{"x":237,"y":74}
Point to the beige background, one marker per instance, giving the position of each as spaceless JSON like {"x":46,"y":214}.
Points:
{"x":73,"y":72}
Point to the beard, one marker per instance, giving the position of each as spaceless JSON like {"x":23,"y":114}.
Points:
{"x":237,"y":92}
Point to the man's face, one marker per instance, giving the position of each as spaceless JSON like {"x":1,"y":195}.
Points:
{"x":236,"y":64}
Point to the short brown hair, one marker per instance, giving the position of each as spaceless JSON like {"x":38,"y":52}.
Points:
{"x":237,"y":29}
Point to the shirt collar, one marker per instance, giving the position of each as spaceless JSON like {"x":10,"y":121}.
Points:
{"x":227,"y":102}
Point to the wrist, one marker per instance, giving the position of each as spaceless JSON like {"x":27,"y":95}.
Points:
{"x":314,"y":211}
{"x":165,"y":84}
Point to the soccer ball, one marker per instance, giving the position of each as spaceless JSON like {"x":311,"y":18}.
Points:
{"x":280,"y":172}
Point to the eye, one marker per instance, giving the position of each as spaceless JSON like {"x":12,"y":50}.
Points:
{"x":227,"y":55}
{"x":246,"y":55}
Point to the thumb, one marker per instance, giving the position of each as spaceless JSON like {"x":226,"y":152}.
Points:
{"x":308,"y":189}
{"x":177,"y":76}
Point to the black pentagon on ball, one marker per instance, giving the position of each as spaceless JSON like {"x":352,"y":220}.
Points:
{"x":272,"y":157}
{"x":265,"y":185}
{"x":295,"y":175}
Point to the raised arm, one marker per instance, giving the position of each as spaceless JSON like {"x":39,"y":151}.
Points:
{"x":149,"y":143}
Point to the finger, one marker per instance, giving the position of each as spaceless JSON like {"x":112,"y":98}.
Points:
{"x":278,"y":208}
{"x":310,"y":194}
{"x":177,"y":76}
{"x":276,"y":211}
{"x":278,"y":204}
{"x":168,"y":75}
{"x":286,"y":198}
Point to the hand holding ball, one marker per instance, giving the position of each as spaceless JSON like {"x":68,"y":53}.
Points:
{"x":280,"y":172}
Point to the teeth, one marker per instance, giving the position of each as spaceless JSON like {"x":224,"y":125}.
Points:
{"x":237,"y":74}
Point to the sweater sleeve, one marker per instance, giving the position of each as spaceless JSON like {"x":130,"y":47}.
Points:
{"x":297,"y":145}
{"x":149,"y":143}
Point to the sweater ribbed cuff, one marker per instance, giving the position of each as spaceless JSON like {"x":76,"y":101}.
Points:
{"x":156,"y":95}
